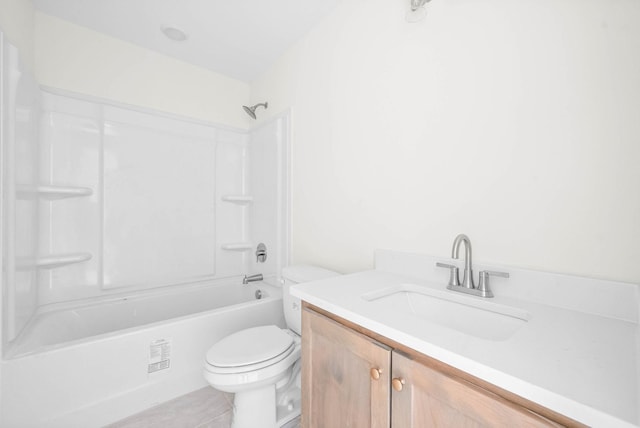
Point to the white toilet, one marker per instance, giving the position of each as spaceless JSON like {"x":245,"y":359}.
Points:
{"x":261,"y":365}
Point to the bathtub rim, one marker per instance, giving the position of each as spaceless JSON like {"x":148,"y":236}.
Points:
{"x":133,"y":294}
{"x":274,"y":293}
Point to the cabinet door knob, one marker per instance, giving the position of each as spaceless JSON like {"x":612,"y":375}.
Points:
{"x":375,"y":373}
{"x":397,"y":383}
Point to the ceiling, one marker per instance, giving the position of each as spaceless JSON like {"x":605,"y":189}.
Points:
{"x":238,"y":38}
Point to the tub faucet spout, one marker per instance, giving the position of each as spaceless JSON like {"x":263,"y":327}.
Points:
{"x":252,"y":278}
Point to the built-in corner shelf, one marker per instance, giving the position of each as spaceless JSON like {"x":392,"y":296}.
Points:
{"x":238,"y":199}
{"x":52,"y":261}
{"x":237,"y":246}
{"x":51,"y":193}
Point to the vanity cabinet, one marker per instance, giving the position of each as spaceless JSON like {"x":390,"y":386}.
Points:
{"x":425,"y":397}
{"x":355,"y":378}
{"x":345,"y":376}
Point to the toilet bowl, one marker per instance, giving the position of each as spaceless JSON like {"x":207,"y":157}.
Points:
{"x":261,"y":365}
{"x":251,"y":358}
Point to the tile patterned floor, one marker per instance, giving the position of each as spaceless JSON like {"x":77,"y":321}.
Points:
{"x":204,"y":408}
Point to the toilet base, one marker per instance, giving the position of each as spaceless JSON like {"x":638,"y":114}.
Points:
{"x":254,"y":408}
{"x":266,"y":398}
{"x":258,"y":408}
{"x":288,"y":406}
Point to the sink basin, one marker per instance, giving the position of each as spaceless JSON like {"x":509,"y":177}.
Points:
{"x":466,"y":314}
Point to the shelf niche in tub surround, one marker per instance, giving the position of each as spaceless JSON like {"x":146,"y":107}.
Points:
{"x":52,"y":261}
{"x":237,"y":246}
{"x":238,"y":199}
{"x":577,"y":353}
{"x":51,"y":192}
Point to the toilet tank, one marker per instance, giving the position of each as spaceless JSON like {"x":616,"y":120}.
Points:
{"x":292,"y":275}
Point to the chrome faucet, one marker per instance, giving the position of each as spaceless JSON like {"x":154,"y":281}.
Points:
{"x":468,"y":286}
{"x":467,"y":279}
{"x":252,"y":278}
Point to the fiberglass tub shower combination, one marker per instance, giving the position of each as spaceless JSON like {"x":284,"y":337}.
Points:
{"x":127,"y":229}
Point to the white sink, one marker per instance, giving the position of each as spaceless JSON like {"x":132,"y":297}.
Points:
{"x":473,"y":316}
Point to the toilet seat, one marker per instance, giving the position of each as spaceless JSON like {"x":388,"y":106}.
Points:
{"x":250,"y":349}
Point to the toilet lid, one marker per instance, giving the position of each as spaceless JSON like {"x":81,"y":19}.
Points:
{"x":250,"y":346}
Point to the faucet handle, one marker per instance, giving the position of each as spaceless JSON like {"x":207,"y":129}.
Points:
{"x":496,"y":273}
{"x":483,"y":284}
{"x":453,"y":273}
{"x":261,"y":253}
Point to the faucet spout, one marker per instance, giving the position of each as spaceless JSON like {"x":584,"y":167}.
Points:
{"x":252,"y":278}
{"x":468,"y":286}
{"x":467,"y":280}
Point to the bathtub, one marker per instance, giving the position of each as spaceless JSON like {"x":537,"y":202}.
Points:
{"x":93,"y":364}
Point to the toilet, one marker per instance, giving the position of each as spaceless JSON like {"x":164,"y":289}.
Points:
{"x":261,"y":365}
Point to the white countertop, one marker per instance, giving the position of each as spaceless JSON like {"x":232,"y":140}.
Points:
{"x":577,"y":356}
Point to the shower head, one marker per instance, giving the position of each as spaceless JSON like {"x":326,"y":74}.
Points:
{"x":417,"y":4}
{"x":251,"y":111}
{"x":417,"y":11}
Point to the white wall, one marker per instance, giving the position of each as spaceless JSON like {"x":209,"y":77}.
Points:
{"x":17,"y":23}
{"x":516,"y":123}
{"x":71,"y":57}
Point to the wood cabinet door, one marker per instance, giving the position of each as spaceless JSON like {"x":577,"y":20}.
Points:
{"x":345,"y":376}
{"x":430,"y":398}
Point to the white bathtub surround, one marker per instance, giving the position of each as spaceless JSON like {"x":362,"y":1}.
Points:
{"x":576,"y":351}
{"x":155,"y":214}
{"x":102,"y":199}
{"x":107,"y":211}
